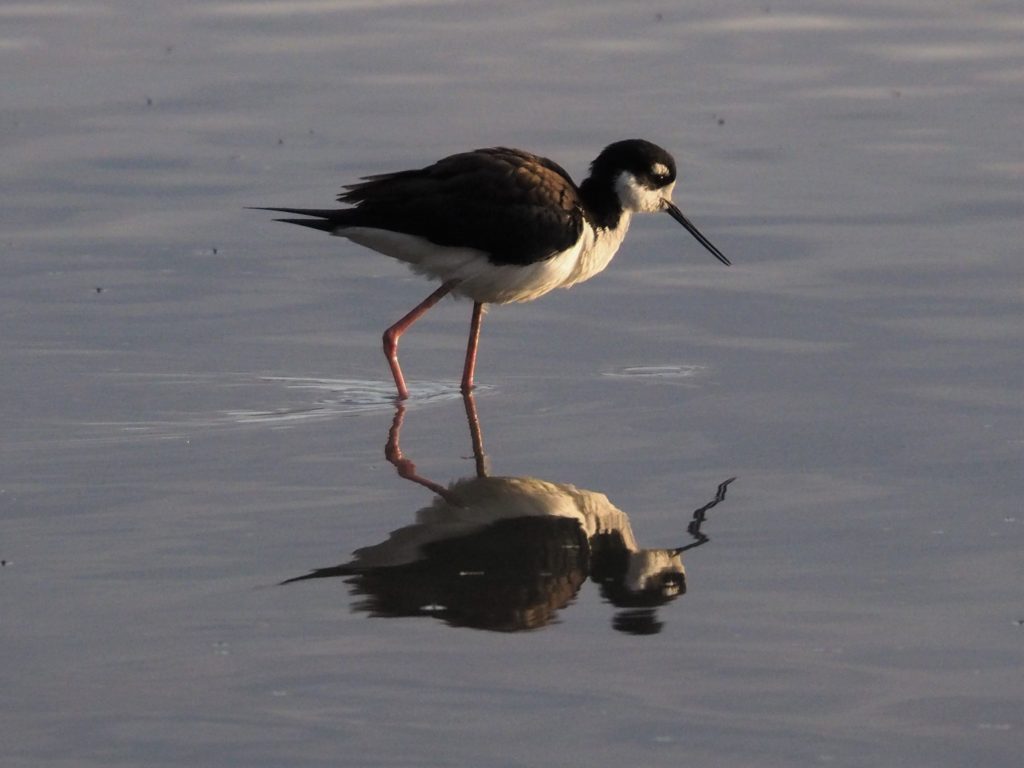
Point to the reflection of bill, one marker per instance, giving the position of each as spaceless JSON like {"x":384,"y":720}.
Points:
{"x":506,"y":553}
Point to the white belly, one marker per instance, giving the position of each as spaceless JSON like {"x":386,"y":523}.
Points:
{"x":599,"y":247}
{"x":482,"y":281}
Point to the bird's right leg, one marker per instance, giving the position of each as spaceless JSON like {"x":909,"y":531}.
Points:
{"x":474,"y":341}
{"x":394,"y":333}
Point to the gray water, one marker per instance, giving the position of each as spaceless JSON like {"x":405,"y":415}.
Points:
{"x":195,"y":405}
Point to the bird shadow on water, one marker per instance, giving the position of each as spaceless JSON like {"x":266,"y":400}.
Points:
{"x":507,"y":554}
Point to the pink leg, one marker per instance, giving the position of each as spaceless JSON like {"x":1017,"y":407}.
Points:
{"x":394,"y":333}
{"x":474,"y":340}
{"x":476,"y":434}
{"x":405,"y":467}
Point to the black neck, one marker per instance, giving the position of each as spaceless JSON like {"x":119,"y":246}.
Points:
{"x":602,"y":204}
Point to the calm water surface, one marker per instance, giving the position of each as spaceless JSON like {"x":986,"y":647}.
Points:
{"x":195,"y":407}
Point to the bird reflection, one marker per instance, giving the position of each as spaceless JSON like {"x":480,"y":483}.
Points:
{"x":507,"y":553}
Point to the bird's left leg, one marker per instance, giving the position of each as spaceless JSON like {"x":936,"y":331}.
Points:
{"x":394,"y":333}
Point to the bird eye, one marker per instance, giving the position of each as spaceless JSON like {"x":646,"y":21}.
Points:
{"x":659,"y":180}
{"x":660,"y":173}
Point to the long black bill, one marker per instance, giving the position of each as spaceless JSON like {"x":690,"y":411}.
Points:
{"x":699,"y":537}
{"x":676,"y":214}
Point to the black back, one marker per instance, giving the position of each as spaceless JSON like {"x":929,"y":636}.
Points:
{"x":515,"y":206}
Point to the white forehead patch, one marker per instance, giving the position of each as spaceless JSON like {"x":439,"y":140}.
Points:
{"x":659,"y":169}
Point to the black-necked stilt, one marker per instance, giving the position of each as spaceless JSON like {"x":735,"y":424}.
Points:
{"x":501,"y":225}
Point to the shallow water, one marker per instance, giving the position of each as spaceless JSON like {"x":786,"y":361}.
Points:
{"x":196,"y":408}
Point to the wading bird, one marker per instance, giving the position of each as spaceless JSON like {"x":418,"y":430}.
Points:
{"x":501,"y":225}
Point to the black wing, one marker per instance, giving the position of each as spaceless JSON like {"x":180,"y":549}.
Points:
{"x":515,"y":206}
